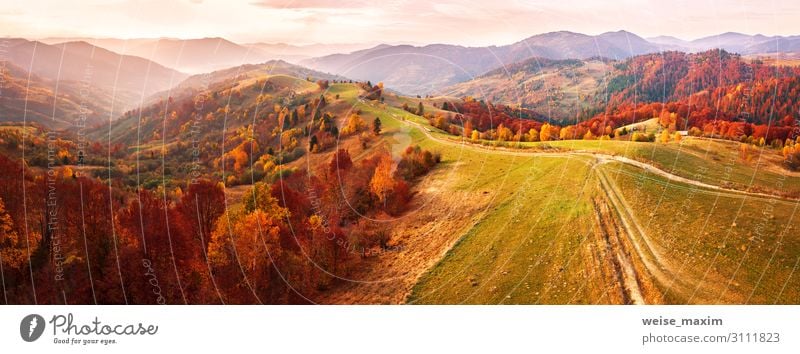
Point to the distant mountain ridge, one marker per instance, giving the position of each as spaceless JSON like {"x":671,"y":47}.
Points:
{"x":569,"y":91}
{"x":421,"y":70}
{"x":65,"y":78}
{"x":238,"y":75}
{"x":105,"y":69}
{"x":426,"y":69}
{"x":145,"y":73}
{"x":203,"y":55}
{"x":69,"y":104}
{"x":740,"y":43}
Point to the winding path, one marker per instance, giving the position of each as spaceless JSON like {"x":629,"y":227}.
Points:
{"x":601,"y":159}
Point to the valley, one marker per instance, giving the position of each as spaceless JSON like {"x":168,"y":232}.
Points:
{"x":561,"y":169}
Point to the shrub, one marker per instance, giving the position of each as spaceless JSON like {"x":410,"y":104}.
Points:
{"x":416,"y":162}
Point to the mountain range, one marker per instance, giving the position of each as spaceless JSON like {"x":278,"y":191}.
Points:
{"x":29,"y":98}
{"x":570,"y":91}
{"x":202,"y":55}
{"x":127,"y":73}
{"x":426,"y":69}
{"x":80,"y":61}
{"x":59,"y":79}
{"x":421,"y":70}
{"x":734,"y":42}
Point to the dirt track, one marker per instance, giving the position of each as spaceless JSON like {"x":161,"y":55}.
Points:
{"x":602,"y":158}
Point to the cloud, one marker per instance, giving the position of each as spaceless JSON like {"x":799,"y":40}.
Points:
{"x":309,"y":4}
{"x":466,"y":22}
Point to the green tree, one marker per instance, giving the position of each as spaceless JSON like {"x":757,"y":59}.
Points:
{"x":376,"y":126}
{"x":311,"y":143}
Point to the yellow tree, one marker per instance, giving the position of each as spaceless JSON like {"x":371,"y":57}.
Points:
{"x":382,"y":182}
{"x":468,"y":129}
{"x":504,"y":134}
{"x":237,"y":158}
{"x":544,"y":134}
{"x":245,"y":242}
{"x":744,"y":151}
{"x":664,"y":137}
{"x":567,"y":132}
{"x":354,"y":124}
{"x":12,"y":249}
{"x":533,"y":135}
{"x":67,"y":172}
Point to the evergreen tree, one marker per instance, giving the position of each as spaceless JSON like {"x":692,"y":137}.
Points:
{"x":376,"y":126}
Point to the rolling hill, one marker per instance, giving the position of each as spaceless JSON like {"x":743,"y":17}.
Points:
{"x":365,"y":195}
{"x":574,"y":90}
{"x":582,"y":222}
{"x":77,"y":61}
{"x":63,"y":105}
{"x":238,"y":75}
{"x":218,"y":101}
{"x":421,"y":70}
{"x":201,"y":55}
{"x":187,"y":55}
{"x":560,"y":222}
{"x":562,"y":90}
{"x":740,"y":43}
{"x":125,"y":79}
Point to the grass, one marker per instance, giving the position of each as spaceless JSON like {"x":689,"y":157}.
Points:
{"x":496,"y":251}
{"x":721,"y":246}
{"x":296,"y":84}
{"x":710,"y":161}
{"x":533,"y":241}
{"x":649,"y":126}
{"x":528,"y":246}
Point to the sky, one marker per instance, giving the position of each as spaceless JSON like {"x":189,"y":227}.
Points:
{"x":465,"y":22}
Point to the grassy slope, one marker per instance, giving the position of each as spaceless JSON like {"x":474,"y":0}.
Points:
{"x":498,"y":239}
{"x":533,"y":241}
{"x":711,"y":161}
{"x":558,"y":92}
{"x":706,"y":160}
{"x":527,"y":246}
{"x":719,"y":246}
{"x":651,"y":125}
{"x":530,"y":244}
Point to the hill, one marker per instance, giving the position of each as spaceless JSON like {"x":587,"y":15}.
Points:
{"x":714,"y":80}
{"x":711,"y":85}
{"x":561,"y":90}
{"x":214,"y":53}
{"x":238,"y":75}
{"x":556,"y":222}
{"x":421,"y":70}
{"x":734,"y":42}
{"x":76,"y":61}
{"x":123,"y":80}
{"x":580,"y":222}
{"x":57,"y":105}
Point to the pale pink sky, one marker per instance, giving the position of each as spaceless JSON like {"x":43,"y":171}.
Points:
{"x":464,"y":22}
